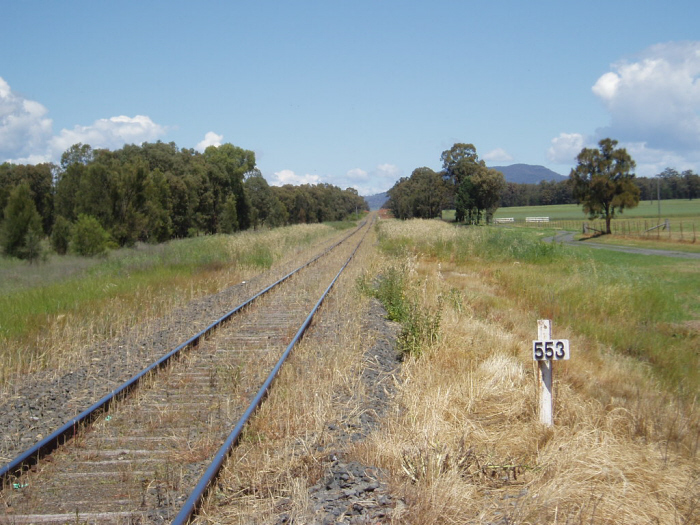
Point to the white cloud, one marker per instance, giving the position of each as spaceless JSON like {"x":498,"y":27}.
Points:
{"x":655,"y":98}
{"x":375,"y":181}
{"x":357,"y":174}
{"x":289,"y":177}
{"x":210,"y":139}
{"x":26,"y":134}
{"x":24,"y":127}
{"x":111,"y":133}
{"x":497,"y":155}
{"x":651,"y":162}
{"x":388,"y":171}
{"x":365,"y":182}
{"x":606,"y":86}
{"x":565,"y":148}
{"x":654,"y":106}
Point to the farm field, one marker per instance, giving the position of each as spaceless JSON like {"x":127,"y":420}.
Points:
{"x":636,"y":227}
{"x":675,"y":209}
{"x":645,"y":209}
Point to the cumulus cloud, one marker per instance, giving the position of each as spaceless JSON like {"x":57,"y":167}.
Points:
{"x":289,"y":177}
{"x":110,"y":133}
{"x":210,"y":139}
{"x":566,"y":147}
{"x":654,"y":104}
{"x":26,"y":133}
{"x":497,"y":155}
{"x":655,"y":98}
{"x":651,"y":162}
{"x":24,"y":127}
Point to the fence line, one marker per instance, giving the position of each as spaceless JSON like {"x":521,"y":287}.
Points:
{"x":669,"y":229}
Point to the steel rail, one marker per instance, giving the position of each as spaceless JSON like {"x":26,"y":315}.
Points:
{"x":66,"y":431}
{"x":194,"y":501}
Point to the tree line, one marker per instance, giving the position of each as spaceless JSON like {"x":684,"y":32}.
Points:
{"x":475,"y":192}
{"x":669,"y":184}
{"x":96,"y":198}
{"x":464,"y":184}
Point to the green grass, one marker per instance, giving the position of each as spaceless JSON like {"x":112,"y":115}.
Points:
{"x":574,"y":212}
{"x":137,"y":280}
{"x":419,"y":326}
{"x":631,"y":228}
{"x":31,"y":293}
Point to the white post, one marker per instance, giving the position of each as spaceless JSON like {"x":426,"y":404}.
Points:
{"x":544,"y":333}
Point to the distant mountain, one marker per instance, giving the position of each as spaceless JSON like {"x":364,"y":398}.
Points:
{"x":528,"y":174}
{"x":375,"y":202}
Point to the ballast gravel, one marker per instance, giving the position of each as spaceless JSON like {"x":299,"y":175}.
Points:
{"x":349,"y":492}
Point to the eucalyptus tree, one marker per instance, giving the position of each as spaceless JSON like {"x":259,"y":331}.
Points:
{"x":476,"y":188}
{"x":39,"y":178}
{"x":21,"y":229}
{"x":226,"y":168}
{"x":603,"y":181}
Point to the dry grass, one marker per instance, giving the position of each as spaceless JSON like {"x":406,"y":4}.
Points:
{"x":282,"y":451}
{"x":463,"y":443}
{"x":130,"y":300}
{"x":465,"y":446}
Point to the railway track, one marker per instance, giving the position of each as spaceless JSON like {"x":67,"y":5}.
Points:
{"x":150,"y":457}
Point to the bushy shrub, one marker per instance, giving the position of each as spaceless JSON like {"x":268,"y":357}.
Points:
{"x":88,"y":237}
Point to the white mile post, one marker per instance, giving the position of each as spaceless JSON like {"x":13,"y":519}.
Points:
{"x":547,"y":350}
{"x":544,"y":333}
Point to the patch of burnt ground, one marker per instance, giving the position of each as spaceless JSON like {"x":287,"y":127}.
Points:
{"x":349,"y":492}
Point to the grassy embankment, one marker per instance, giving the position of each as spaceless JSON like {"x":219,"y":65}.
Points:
{"x":54,"y":308}
{"x":466,"y":442}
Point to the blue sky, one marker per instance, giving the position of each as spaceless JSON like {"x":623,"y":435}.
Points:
{"x":354,"y":93}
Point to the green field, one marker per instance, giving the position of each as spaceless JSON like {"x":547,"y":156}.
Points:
{"x":563,"y":212}
{"x":641,"y":223}
{"x":574,"y":212}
